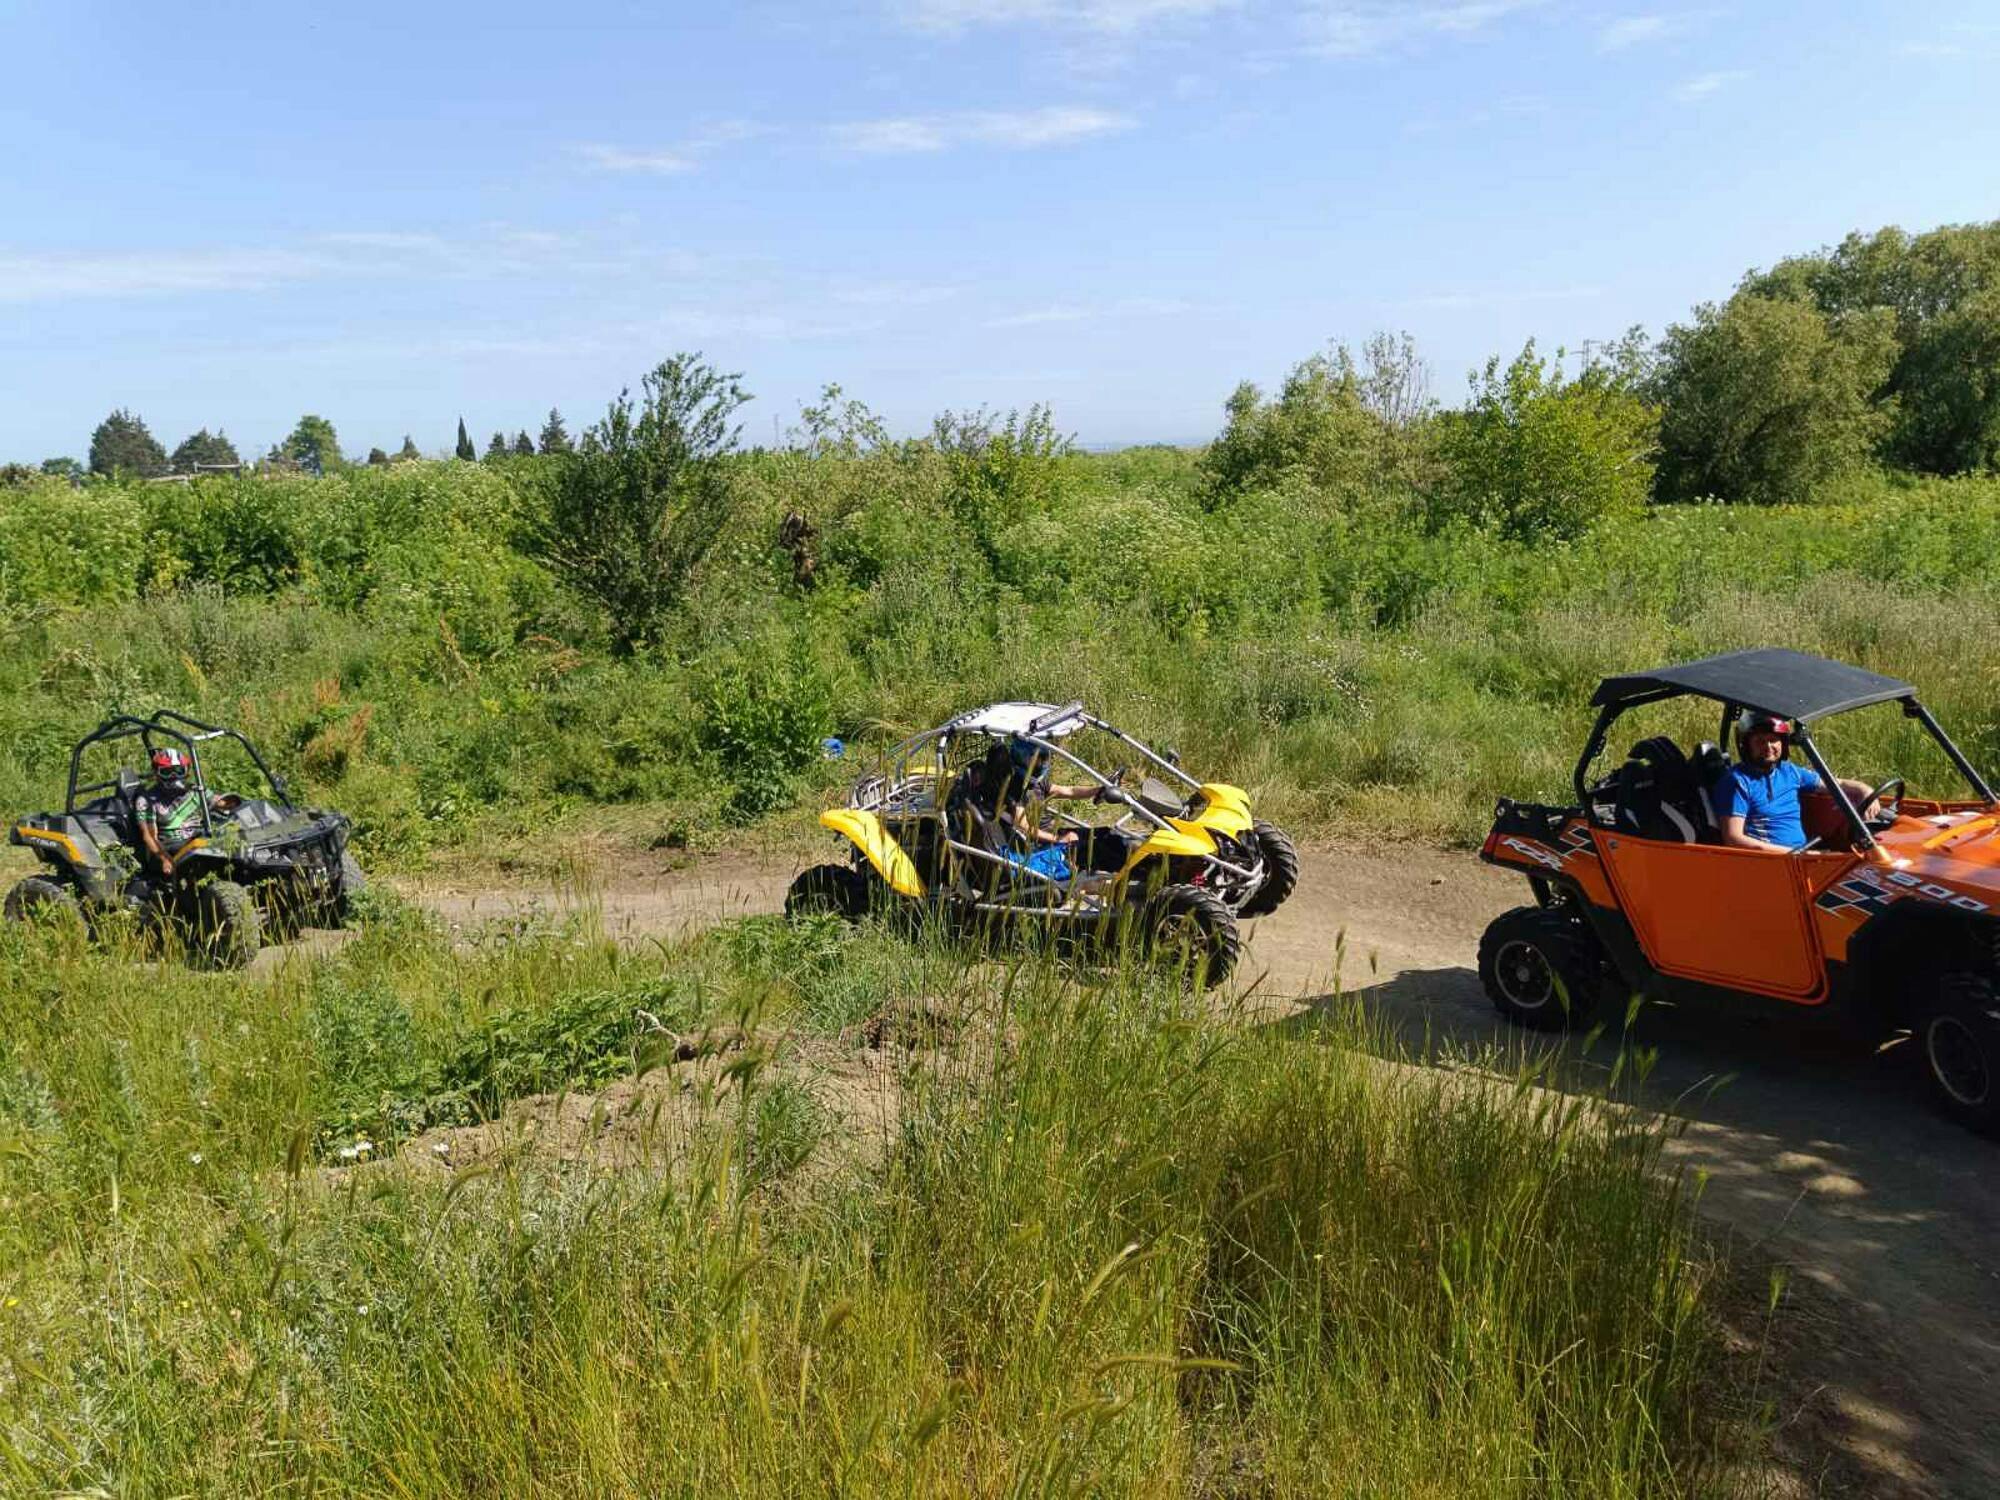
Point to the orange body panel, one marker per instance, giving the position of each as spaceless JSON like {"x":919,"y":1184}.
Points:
{"x":1734,"y":917}
{"x":1766,"y":923}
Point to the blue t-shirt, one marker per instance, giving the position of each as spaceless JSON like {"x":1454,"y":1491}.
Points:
{"x":1767,"y":801}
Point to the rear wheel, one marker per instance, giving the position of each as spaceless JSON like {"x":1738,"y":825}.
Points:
{"x":222,"y":928}
{"x":836,"y":890}
{"x":1196,"y":931}
{"x":1541,"y":968}
{"x":39,"y":898}
{"x":1281,"y":871}
{"x":1959,"y":1032}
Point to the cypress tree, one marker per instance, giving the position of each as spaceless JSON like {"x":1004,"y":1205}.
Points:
{"x":555,"y":437}
{"x":465,"y":448}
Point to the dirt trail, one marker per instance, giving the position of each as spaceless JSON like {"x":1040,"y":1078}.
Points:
{"x":1822,"y":1157}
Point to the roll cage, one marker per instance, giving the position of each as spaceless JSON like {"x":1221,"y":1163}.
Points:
{"x":166,"y":725}
{"x":1789,"y":684}
{"x":920,"y":768}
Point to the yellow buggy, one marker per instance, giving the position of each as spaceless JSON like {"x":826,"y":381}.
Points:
{"x":1161,"y":858}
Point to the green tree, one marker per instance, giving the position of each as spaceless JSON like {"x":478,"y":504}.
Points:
{"x":628,"y":519}
{"x":1947,"y":388}
{"x":408,"y":450}
{"x":555,"y":437}
{"x":1942,"y":291}
{"x":496,"y":447}
{"x":122,"y":445}
{"x":465,"y":449}
{"x":1338,"y":425}
{"x":1537,"y":457}
{"x":204,"y":447}
{"x":313,"y":445}
{"x":1764,"y":399}
{"x":524,"y":446}
{"x":377,"y":458}
{"x":64,"y":468}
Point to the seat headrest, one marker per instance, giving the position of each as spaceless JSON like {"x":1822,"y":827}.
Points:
{"x":1659,"y":752}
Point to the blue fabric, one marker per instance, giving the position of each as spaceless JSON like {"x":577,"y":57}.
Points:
{"x":1767,"y":801}
{"x":1049,"y":860}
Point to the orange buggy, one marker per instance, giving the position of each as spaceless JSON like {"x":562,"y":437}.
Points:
{"x":1887,"y":920}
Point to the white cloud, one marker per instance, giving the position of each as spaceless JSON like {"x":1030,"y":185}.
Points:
{"x":1116,"y":16}
{"x":343,"y":255}
{"x":1128,"y":307}
{"x":49,"y":277}
{"x":1631,"y":31}
{"x":1497,"y":298}
{"x":669,"y":161}
{"x":624,"y":159}
{"x":1056,"y":125}
{"x":1335,"y":29}
{"x":1702,"y":85}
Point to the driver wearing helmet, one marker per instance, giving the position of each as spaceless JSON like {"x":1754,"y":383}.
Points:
{"x":1009,"y":784}
{"x":169,"y":811}
{"x":1758,"y":801}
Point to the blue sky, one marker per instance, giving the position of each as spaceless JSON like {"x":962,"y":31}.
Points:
{"x":394,"y":214}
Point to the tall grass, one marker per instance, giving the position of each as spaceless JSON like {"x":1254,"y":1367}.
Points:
{"x":1358,"y":672}
{"x":1104,"y":1241}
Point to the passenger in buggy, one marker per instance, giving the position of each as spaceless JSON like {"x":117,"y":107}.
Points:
{"x":1007,"y":789}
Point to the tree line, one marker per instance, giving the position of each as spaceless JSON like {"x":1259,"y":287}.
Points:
{"x":1881,"y":352}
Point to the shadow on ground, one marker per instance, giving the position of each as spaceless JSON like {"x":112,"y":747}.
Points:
{"x":1814,"y":1150}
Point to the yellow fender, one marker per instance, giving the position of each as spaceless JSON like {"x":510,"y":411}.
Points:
{"x":1178,"y":837}
{"x":865,"y":831}
{"x":1228,"y":809}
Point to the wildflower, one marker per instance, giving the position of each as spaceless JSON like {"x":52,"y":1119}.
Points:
{"x":195,"y":1157}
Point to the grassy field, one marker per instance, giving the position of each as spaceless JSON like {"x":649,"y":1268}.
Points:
{"x":881,"y":1217}
{"x":1076,"y":1237}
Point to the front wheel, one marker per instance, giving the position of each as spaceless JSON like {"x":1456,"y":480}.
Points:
{"x":1541,"y":968}
{"x":222,"y":928}
{"x":1281,"y":871}
{"x":1960,"y":1035}
{"x":340,"y":910}
{"x":832,"y":890}
{"x":1196,"y":931}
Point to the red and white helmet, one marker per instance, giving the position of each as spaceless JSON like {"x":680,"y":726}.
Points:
{"x":171,"y":763}
{"x":1756,"y":721}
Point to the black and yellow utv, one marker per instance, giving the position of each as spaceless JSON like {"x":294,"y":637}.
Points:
{"x":256,"y":865}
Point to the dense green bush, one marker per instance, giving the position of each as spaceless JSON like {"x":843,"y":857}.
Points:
{"x":1766,"y":402}
{"x":1538,"y":457}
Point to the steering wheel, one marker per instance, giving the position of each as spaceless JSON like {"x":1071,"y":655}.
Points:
{"x":1884,"y":818}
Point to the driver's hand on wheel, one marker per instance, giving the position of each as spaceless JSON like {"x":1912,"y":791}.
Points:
{"x":1068,"y":836}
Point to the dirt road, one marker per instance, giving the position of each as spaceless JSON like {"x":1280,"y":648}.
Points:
{"x":1820,"y":1156}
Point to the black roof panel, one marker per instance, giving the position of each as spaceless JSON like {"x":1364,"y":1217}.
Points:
{"x":1789,"y":683}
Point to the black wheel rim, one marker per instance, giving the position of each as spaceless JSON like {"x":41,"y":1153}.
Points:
{"x":1957,"y":1061}
{"x":1185,"y":937}
{"x":1523,"y":974}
